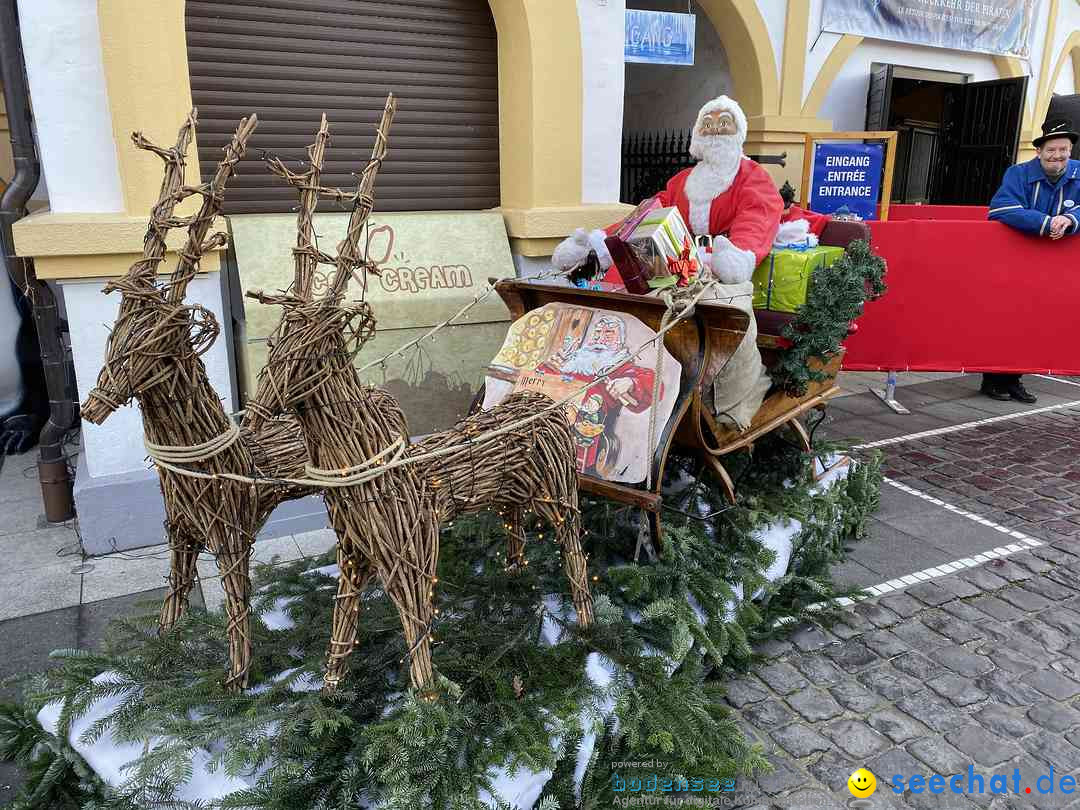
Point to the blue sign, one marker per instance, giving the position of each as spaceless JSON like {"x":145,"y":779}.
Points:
{"x":846,"y":175}
{"x":660,"y":37}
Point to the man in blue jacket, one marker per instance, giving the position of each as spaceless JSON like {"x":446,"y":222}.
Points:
{"x":1040,"y":197}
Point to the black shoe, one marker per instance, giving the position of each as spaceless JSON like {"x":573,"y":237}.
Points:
{"x":1020,"y":394}
{"x":995,"y":393}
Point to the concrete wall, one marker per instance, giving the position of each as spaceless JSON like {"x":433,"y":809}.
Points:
{"x":662,"y":97}
{"x":774,"y":14}
{"x":1066,"y":84}
{"x":602,"y":101}
{"x":64,"y":68}
{"x":845,"y":101}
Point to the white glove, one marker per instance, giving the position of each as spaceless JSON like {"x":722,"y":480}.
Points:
{"x":572,"y":251}
{"x":596,"y":242}
{"x":731,"y":265}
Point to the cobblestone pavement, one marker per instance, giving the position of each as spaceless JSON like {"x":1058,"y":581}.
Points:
{"x":1023,"y":473}
{"x":976,"y":670}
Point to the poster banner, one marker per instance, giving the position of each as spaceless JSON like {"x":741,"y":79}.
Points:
{"x":431,"y":264}
{"x":988,"y":26}
{"x":659,"y":37}
{"x":591,"y":356}
{"x":846,"y":175}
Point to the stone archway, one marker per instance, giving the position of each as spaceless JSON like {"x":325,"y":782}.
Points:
{"x":749,"y":51}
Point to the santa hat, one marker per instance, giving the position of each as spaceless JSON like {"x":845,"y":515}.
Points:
{"x":720,"y":103}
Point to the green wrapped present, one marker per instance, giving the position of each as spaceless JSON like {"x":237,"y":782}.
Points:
{"x":782,"y":279}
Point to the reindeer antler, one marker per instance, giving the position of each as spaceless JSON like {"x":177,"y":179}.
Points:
{"x":161,"y":215}
{"x":306,"y":256}
{"x":348,"y":257}
{"x":213,"y":198}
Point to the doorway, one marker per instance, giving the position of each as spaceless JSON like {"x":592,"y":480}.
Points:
{"x":956,"y":137}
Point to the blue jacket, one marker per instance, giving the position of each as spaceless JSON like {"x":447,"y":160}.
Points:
{"x":1027,"y":200}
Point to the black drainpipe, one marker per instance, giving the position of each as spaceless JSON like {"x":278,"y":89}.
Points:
{"x":52,"y":466}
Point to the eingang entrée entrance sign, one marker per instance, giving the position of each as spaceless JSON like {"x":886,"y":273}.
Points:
{"x":847,"y":175}
{"x":989,"y":26}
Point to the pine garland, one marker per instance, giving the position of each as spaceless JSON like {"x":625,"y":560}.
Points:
{"x":506,"y":698}
{"x":835,"y":299}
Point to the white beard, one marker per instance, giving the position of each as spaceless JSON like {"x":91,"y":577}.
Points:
{"x":711,"y":177}
{"x":592,"y":362}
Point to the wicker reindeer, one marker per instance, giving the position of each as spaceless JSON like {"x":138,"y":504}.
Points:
{"x":387,"y":500}
{"x":154,"y":356}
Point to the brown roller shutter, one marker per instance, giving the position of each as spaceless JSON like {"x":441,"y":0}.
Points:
{"x":291,"y":60}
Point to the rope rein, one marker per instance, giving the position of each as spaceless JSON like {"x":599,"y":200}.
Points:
{"x":192,"y":454}
{"x":371,"y":468}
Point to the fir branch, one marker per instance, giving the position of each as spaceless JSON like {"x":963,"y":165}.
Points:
{"x":834,"y":300}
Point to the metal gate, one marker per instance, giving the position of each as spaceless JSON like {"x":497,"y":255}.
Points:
{"x":650,"y":159}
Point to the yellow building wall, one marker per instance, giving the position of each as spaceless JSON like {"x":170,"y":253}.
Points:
{"x":144,"y":51}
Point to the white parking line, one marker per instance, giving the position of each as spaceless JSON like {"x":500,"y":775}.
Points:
{"x":967,"y":425}
{"x":942,"y":569}
{"x":1059,"y":380}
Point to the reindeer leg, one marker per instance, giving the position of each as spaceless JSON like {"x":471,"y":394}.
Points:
{"x":566,"y":519}
{"x":354,"y":577}
{"x":184,"y":549}
{"x":234,"y":565}
{"x":411,"y":584}
{"x":515,"y":541}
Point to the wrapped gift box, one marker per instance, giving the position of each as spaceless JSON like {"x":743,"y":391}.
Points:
{"x":666,"y":230}
{"x":783,"y":278}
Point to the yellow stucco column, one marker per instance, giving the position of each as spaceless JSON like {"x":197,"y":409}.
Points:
{"x":1034,"y":113}
{"x":144,"y":55}
{"x":540,"y":124}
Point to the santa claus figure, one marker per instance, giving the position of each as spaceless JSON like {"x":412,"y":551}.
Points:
{"x":726,"y":196}
{"x":733,"y":201}
{"x":603,"y":352}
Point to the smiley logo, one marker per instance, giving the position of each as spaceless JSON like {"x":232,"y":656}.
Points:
{"x":862,"y":783}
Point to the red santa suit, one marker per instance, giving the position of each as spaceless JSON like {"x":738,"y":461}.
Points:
{"x":725,"y":196}
{"x":747,"y":212}
{"x":817,"y":221}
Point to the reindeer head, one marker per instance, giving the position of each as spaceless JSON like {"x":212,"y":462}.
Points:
{"x":318,"y":337}
{"x":315,"y":343}
{"x":156,"y":340}
{"x":152,"y":345}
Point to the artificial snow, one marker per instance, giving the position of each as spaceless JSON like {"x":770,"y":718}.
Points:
{"x":111,"y":759}
{"x":520,"y":790}
{"x":277,"y":617}
{"x":600,"y":671}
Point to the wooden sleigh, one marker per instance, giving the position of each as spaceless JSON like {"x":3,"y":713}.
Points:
{"x":702,"y":343}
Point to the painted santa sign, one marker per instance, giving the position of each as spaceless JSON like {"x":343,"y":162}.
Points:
{"x":591,"y":356}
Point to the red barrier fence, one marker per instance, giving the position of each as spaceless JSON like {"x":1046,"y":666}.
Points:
{"x":966,"y":294}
